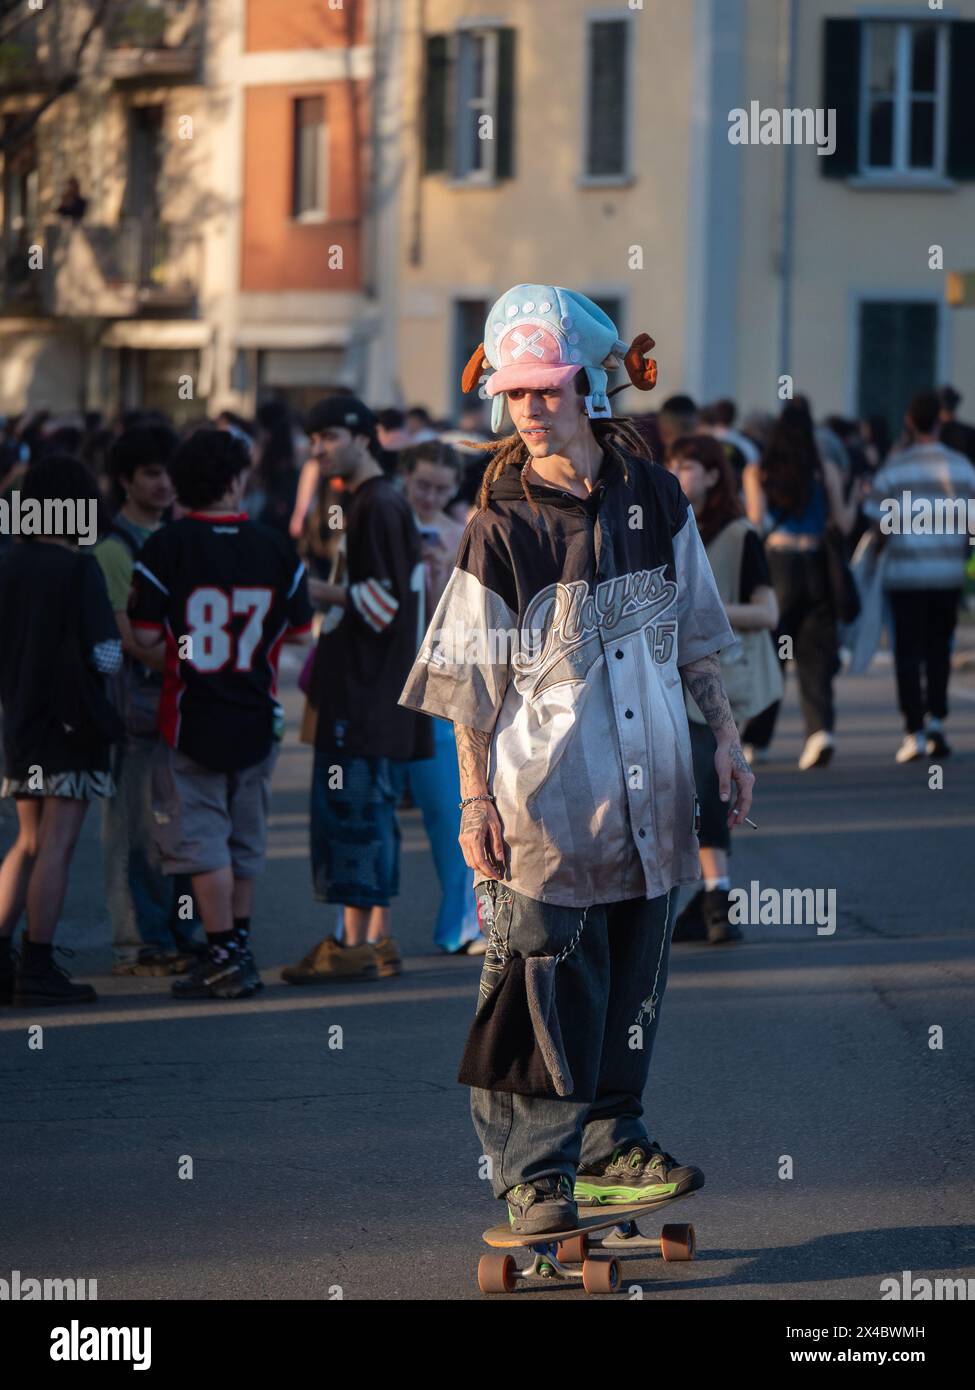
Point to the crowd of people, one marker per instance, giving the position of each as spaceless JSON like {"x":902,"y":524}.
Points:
{"x":141,"y":674}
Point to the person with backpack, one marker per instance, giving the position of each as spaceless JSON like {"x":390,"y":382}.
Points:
{"x":139,"y":896}
{"x":749,"y":668}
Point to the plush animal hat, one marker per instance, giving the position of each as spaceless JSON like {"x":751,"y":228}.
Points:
{"x":542,"y":335}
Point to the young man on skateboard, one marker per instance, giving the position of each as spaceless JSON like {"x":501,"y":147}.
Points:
{"x":581,"y":599}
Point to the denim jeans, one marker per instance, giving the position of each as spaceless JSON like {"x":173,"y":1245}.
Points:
{"x":435,"y":787}
{"x":608,"y":994}
{"x":140,"y":897}
{"x":355,"y":835}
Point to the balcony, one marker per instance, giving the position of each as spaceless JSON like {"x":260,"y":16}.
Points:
{"x":120,"y":271}
{"x":153,"y":42}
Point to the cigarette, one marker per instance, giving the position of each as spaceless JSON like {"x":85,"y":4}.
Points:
{"x":751,"y":823}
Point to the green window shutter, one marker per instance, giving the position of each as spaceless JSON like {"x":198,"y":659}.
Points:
{"x":961,"y":104}
{"x":435,"y":88}
{"x":506,"y":104}
{"x":841,"y":92}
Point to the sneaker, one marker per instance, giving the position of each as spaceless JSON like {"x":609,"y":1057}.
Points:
{"x":477,"y":947}
{"x":151,"y":961}
{"x":388,"y":959}
{"x":914,"y":746}
{"x":48,"y":984}
{"x":818,"y":750}
{"x":329,"y":961}
{"x":714,"y":912}
{"x":936,"y":745}
{"x":689,"y":925}
{"x":233,"y":978}
{"x":544,"y":1205}
{"x":641,"y":1174}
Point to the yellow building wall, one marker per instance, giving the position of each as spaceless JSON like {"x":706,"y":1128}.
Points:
{"x":541,"y":226}
{"x":848,"y":241}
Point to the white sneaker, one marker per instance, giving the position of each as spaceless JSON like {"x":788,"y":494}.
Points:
{"x":818,"y":750}
{"x":914,"y":746}
{"x":477,"y":947}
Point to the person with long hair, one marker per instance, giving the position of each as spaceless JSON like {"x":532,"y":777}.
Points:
{"x":580,"y":597}
{"x":794,"y":495}
{"x":750,"y":669}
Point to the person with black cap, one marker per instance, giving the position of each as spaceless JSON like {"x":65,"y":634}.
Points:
{"x":364,"y":739}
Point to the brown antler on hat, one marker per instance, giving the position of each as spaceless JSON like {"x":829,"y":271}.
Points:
{"x":476,"y":364}
{"x":641,"y":371}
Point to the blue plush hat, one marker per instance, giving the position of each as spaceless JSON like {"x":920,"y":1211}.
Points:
{"x":542,"y":335}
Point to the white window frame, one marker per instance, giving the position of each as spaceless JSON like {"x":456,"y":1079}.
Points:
{"x":901,"y":170}
{"x":319,"y":214}
{"x":462,"y":104}
{"x":586,"y":176}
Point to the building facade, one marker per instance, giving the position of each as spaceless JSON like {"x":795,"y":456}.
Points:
{"x":330,"y":193}
{"x":588,"y":143}
{"x":222,"y":149}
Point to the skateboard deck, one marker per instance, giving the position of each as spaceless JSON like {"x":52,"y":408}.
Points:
{"x":555,"y":1252}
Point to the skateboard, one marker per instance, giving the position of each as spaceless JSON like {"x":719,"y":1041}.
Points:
{"x":555,"y":1252}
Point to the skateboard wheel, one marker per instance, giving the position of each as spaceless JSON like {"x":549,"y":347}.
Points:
{"x":574,"y":1250}
{"x":496,"y":1273}
{"x":601,"y":1276}
{"x":677,"y":1242}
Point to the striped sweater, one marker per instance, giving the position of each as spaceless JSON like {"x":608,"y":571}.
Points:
{"x":923,"y":500}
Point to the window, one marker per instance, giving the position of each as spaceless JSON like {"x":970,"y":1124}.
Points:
{"x":469,"y":114}
{"x":897,"y":356}
{"x":308,"y":177}
{"x":904,"y":77}
{"x":607,"y":99}
{"x":469,"y":317}
{"x":476,"y":84}
{"x":901,"y":91}
{"x":612,"y":305}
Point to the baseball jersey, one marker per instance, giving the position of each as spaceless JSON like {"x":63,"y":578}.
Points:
{"x":563,"y":635}
{"x":362,"y":662}
{"x":225,"y":593}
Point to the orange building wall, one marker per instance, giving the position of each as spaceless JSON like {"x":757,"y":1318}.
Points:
{"x":277,"y":252}
{"x":282,"y":24}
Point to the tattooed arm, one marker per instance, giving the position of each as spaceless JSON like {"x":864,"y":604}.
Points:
{"x":703,"y":680}
{"x":480,"y":825}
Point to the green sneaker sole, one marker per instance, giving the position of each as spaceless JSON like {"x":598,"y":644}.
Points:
{"x":602,"y":1195}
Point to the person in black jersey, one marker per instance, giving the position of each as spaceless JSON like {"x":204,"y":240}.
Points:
{"x":364,"y":739}
{"x":225,"y":593}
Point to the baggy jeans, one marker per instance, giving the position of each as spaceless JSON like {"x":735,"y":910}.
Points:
{"x":608,"y":994}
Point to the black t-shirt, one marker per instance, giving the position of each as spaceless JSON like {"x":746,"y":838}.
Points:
{"x":362,"y":664}
{"x":754,"y":566}
{"x":235,"y":589}
{"x":50,"y":599}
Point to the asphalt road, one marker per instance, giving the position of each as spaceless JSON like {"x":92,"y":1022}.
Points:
{"x":319,"y":1169}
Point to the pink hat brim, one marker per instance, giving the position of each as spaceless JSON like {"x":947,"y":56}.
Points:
{"x":534,"y":375}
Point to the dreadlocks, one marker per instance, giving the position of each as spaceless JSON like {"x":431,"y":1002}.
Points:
{"x":617,"y":437}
